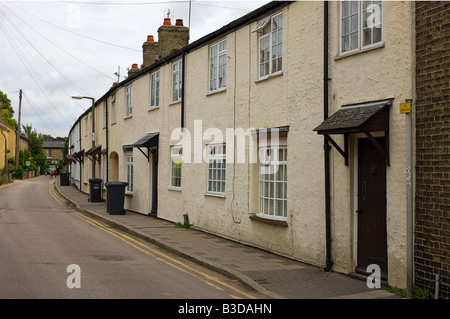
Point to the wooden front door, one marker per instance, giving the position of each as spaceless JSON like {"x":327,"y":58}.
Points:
{"x":372,"y":233}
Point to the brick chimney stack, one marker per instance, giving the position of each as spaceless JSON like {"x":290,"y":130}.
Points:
{"x":150,"y":49}
{"x":134,"y":69}
{"x":170,"y":38}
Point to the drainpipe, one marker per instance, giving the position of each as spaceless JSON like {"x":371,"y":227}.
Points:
{"x":183,"y":61}
{"x":79,"y":164}
{"x":107,"y":147}
{"x":326,"y":146}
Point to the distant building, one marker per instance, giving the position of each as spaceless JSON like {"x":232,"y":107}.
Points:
{"x":53,"y":149}
{"x":10,"y":134}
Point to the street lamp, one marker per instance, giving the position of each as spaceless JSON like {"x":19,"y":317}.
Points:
{"x":93,"y":112}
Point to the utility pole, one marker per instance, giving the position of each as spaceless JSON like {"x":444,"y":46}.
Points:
{"x":189,"y":23}
{"x":407,"y":109}
{"x":18,"y":130}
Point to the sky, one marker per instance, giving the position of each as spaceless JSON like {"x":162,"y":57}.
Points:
{"x":53,"y":50}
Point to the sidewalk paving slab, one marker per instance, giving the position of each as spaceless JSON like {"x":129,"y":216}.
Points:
{"x":275,"y":276}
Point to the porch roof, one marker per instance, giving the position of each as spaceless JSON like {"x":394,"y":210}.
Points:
{"x":360,"y":118}
{"x":148,"y":140}
{"x":357,"y":118}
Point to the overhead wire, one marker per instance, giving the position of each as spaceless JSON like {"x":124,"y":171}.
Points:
{"x":72,"y":56}
{"x":26,"y":62}
{"x":73,"y":32}
{"x":51,"y":64}
{"x":26,"y":57}
{"x":129,"y":3}
{"x":49,"y":126}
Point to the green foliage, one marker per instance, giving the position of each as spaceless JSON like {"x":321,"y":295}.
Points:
{"x":418,"y":293}
{"x":11,"y":163}
{"x":41,"y":161}
{"x":8,"y":120}
{"x":36,"y":145}
{"x":18,"y":174}
{"x":185,"y":224}
{"x":7,"y":111}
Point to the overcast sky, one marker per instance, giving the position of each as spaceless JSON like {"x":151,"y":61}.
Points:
{"x":53,"y":50}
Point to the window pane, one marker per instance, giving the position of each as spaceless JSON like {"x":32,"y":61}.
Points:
{"x":376,"y":35}
{"x":345,"y":26}
{"x":367,"y":36}
{"x":354,"y":41}
{"x":345,"y":8}
{"x":157,"y":93}
{"x":354,"y":7}
{"x":367,"y":19}
{"x":345,"y":43}
{"x":354,"y":23}
{"x":175,"y":88}
{"x":267,"y":29}
{"x":274,"y":23}
{"x":279,"y":208}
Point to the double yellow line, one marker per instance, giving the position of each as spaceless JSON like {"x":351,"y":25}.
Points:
{"x":207,"y":279}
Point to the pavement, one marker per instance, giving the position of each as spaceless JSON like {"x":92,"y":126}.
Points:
{"x":275,"y":276}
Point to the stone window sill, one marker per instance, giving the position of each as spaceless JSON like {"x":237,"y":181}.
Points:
{"x":281,"y":223}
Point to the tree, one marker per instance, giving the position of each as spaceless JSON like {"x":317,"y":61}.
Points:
{"x":7,"y":111}
{"x":36,"y":145}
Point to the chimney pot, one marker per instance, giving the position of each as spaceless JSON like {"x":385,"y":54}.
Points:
{"x":167,"y":21}
{"x":134,"y":66}
{"x":179,"y":22}
{"x":150,"y":38}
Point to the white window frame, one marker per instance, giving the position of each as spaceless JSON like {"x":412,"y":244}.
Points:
{"x":92,"y":122}
{"x":273,"y":182}
{"x":86,"y":169}
{"x":218,"y":66}
{"x":177,"y":75}
{"x":129,"y":101}
{"x":105,"y":172}
{"x":154,"y":89}
{"x":176,"y":157}
{"x":105,"y":113}
{"x":113,"y":110}
{"x":267,"y":35}
{"x":360,"y":17}
{"x":129,"y":163}
{"x":216,"y":176}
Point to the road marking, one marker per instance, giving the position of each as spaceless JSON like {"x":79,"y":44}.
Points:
{"x":210,"y":280}
{"x":55,"y":196}
{"x":166,"y":259}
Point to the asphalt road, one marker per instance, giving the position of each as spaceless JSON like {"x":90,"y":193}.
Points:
{"x":49,"y":250}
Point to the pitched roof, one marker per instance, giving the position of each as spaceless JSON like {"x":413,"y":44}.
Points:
{"x":56,"y":143}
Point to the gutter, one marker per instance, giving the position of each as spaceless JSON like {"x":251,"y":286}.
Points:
{"x":326,"y":146}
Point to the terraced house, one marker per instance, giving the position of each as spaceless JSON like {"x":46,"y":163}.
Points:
{"x":280,"y":130}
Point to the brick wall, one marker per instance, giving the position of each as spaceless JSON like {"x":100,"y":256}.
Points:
{"x":432,"y":207}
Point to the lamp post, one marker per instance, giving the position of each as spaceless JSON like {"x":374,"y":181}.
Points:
{"x":93,"y":113}
{"x":93,"y":126}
